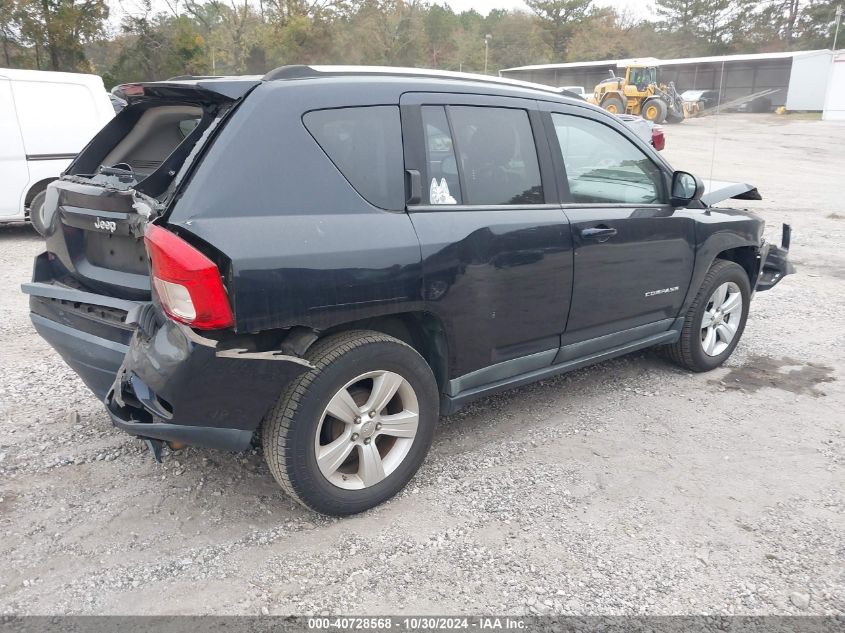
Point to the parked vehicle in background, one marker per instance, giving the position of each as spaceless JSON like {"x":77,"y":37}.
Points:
{"x":578,"y":90}
{"x":698,"y":101}
{"x":647,"y":130}
{"x":658,"y":139}
{"x":639,"y":92}
{"x":46,"y":118}
{"x":757,"y":105}
{"x":333,"y":257}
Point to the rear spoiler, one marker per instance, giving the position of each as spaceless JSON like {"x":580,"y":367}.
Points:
{"x":195,"y":89}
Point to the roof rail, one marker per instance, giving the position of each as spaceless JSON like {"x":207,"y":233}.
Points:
{"x":291,"y":71}
{"x":303,"y":72}
{"x":189,"y":77}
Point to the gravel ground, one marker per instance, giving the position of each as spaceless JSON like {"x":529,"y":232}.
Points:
{"x":631,"y":487}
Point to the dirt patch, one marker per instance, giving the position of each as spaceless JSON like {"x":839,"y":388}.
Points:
{"x":835,"y":216}
{"x":787,"y":374}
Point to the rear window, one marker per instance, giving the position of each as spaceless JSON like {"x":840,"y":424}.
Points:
{"x":365,"y":144}
{"x":146,"y":145}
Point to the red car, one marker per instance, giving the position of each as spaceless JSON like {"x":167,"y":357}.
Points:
{"x":657,"y":138}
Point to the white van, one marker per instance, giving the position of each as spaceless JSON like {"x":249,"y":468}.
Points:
{"x":46,"y":118}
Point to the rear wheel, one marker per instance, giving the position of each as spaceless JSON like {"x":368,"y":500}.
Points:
{"x":716,"y":319}
{"x":654,"y":110}
{"x":349,"y":434}
{"x":36,"y":213}
{"x":614,"y":105}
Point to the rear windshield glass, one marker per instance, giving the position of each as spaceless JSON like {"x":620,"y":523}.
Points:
{"x":365,"y":143}
{"x":157,"y":133}
{"x":145,"y":145}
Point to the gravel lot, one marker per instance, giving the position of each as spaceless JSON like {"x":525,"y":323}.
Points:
{"x":631,"y":487}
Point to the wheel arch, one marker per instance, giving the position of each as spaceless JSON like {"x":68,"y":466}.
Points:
{"x":423,"y":331}
{"x":35,"y":189}
{"x":610,"y":94}
{"x":740,"y":244}
{"x":746,"y":256}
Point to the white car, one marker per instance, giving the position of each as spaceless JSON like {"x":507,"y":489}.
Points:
{"x":46,"y":118}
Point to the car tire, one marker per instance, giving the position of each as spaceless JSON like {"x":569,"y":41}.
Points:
{"x":36,"y":214}
{"x":314,"y":413}
{"x":614,"y":105}
{"x":654,"y":110}
{"x":716,"y":319}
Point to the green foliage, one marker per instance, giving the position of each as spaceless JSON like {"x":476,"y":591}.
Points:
{"x":50,"y":34}
{"x":562,"y":19}
{"x":253,"y":36}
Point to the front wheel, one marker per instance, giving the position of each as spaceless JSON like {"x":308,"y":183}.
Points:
{"x":654,"y":110}
{"x":614,"y":105}
{"x":716,"y":319}
{"x":349,"y":434}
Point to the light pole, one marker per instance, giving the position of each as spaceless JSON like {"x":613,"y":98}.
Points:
{"x":836,"y":32}
{"x":487,"y":39}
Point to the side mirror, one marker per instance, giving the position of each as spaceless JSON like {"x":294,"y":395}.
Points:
{"x":685,"y":188}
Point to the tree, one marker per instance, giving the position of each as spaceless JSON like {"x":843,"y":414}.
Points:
{"x":253,"y":36}
{"x":518,"y":40}
{"x":561,"y":19}
{"x":8,"y":30}
{"x":60,"y":28}
{"x":607,"y":35}
{"x":440,"y":26}
{"x":816,"y":24}
{"x":678,"y":15}
{"x":719,"y":23}
{"x":157,"y":47}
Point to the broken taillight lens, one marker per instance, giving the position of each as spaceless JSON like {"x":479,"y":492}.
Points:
{"x":187,"y":282}
{"x":131,"y":90}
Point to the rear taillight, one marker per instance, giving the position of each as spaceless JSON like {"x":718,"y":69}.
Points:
{"x":187,"y":282}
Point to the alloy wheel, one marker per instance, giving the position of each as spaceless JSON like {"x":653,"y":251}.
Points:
{"x":367,"y":430}
{"x":721,"y":318}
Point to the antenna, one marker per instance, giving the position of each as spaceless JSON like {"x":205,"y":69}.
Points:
{"x":716,"y":123}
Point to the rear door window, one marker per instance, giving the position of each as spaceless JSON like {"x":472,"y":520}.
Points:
{"x":444,"y":185}
{"x":365,"y":144}
{"x":498,"y":159}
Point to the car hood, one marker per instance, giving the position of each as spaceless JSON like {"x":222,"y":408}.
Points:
{"x":716,"y":191}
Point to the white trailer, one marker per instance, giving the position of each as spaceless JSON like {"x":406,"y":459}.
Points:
{"x":834,"y":103}
{"x":808,"y":80}
{"x":46,"y":118}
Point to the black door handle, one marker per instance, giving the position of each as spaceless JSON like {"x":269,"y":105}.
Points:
{"x":599,"y":233}
{"x":413,"y":185}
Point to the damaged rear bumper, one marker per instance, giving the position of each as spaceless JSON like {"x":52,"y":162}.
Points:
{"x":159,"y":379}
{"x":776,"y":264}
{"x":175,"y":385}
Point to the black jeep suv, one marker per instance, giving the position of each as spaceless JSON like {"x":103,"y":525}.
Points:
{"x":334,"y":257}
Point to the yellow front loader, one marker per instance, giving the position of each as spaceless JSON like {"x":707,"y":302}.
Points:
{"x":639,"y":93}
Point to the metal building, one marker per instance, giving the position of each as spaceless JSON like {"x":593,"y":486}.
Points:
{"x":800,"y":78}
